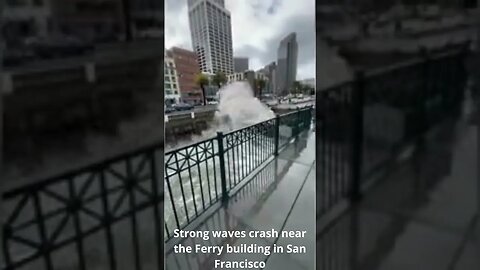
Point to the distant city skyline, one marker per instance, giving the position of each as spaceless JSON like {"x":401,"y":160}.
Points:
{"x":257,"y":29}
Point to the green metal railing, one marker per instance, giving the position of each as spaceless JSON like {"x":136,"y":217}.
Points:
{"x":203,"y":174}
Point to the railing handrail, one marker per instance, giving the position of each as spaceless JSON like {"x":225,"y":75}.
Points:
{"x":230,"y":132}
{"x":268,"y":120}
{"x":93,"y":165}
{"x":396,"y":66}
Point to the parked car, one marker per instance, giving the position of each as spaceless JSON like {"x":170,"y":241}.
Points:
{"x":169,"y":109}
{"x":182,"y":107}
{"x":212,"y":102}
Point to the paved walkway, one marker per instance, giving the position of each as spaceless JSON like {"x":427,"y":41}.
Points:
{"x":281,"y":196}
{"x":422,"y":216}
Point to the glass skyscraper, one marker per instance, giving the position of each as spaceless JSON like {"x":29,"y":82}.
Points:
{"x":287,"y":64}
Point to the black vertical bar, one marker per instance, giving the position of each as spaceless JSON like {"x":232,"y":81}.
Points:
{"x":322,"y":150}
{"x":207,"y":171}
{"x":357,"y":136}
{"x":214,"y":170}
{"x":354,"y":228}
{"x":156,"y":210}
{"x":43,"y":232}
{"x":277,"y":134}
{"x":179,"y":174}
{"x":423,"y":94}
{"x":76,"y":219}
{"x":127,"y":14}
{"x":189,"y":169}
{"x":200,"y":177}
{"x":6,"y":250}
{"x":234,"y":165}
{"x":107,"y":222}
{"x":131,"y":182}
{"x":221,"y":157}
{"x":299,"y":121}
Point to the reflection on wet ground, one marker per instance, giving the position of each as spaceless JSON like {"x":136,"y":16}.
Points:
{"x":422,"y":215}
{"x":281,"y":196}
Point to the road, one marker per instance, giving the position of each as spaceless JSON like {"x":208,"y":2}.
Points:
{"x":196,"y":109}
{"x":214,"y":107}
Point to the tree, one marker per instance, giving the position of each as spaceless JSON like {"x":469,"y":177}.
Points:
{"x":202,"y":80}
{"x":259,"y":86}
{"x":219,"y":79}
{"x":296,"y":87}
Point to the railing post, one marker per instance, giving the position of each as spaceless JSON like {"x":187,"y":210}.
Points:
{"x":221,"y":156}
{"x":277,"y":134}
{"x":357,"y":136}
{"x":299,"y":121}
{"x":423,"y":98}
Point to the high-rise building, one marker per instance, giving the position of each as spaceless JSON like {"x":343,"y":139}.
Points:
{"x":187,"y":69}
{"x":269,"y":71}
{"x":211,"y":31}
{"x":287,"y":64}
{"x":172,"y":92}
{"x":240,"y":64}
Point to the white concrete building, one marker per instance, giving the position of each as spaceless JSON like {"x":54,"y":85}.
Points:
{"x":211,"y":31}
{"x":236,"y":77}
{"x":172,"y":92}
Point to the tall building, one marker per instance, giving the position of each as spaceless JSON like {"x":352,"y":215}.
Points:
{"x":187,"y":69}
{"x":172,"y":92}
{"x":287,"y":64}
{"x":211,"y":31}
{"x":270,"y":72}
{"x":240,"y":64}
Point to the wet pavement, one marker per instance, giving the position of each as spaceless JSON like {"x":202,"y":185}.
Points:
{"x":422,"y":215}
{"x":281,"y":197}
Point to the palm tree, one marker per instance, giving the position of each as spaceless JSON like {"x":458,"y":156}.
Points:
{"x":219,"y":79}
{"x":296,"y":87}
{"x":259,"y":86}
{"x":202,"y":80}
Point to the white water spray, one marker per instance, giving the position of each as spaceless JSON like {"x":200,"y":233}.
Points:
{"x":237,"y":108}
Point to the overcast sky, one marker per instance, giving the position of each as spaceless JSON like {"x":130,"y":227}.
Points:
{"x":257,"y":26}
